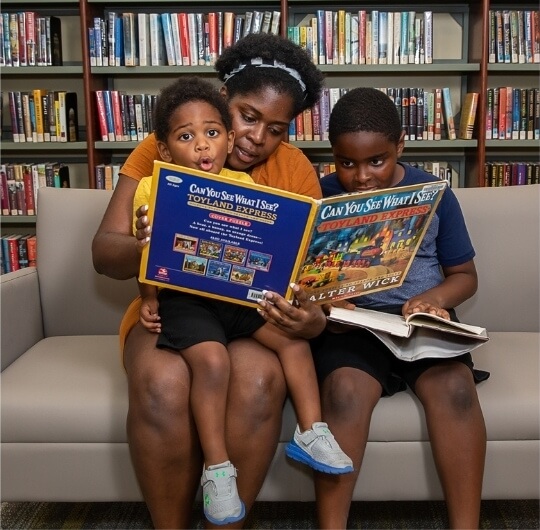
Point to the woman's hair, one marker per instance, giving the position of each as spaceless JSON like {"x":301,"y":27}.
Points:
{"x":261,"y":60}
{"x":365,"y":110}
{"x":185,"y":90}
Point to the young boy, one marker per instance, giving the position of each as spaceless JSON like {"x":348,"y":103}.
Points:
{"x":193,"y":129}
{"x":354,"y":368}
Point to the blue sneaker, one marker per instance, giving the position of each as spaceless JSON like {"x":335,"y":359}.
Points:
{"x":221,"y":502}
{"x":318,"y":449}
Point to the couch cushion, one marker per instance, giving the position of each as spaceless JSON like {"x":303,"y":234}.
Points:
{"x":66,"y":389}
{"x":74,"y":389}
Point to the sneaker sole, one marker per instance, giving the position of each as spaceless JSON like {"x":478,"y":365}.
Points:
{"x":292,"y":450}
{"x":228,"y":520}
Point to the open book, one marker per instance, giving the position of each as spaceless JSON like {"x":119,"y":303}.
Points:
{"x":231,"y":240}
{"x":419,"y":335}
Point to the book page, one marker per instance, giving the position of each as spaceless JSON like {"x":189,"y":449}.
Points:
{"x":375,"y":320}
{"x":428,"y":343}
{"x":436,"y":322}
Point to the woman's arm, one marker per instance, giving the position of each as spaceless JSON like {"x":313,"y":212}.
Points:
{"x":115,"y":251}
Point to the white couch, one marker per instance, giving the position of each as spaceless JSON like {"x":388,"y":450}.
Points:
{"x":64,"y":392}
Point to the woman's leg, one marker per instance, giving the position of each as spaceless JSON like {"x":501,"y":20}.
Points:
{"x":162,"y":436}
{"x":458,"y":438}
{"x":348,"y":396}
{"x":254,"y":408}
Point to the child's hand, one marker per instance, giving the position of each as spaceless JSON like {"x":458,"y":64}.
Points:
{"x":148,"y":314}
{"x":424,"y":305}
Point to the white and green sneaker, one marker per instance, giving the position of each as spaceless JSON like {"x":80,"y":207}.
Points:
{"x":222,"y":505}
{"x":318,"y":449}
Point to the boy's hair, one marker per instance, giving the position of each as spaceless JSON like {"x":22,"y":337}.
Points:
{"x":261,"y":60}
{"x":365,"y":110}
{"x":185,"y":90}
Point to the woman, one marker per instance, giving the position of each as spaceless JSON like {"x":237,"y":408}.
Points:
{"x":267,"y":82}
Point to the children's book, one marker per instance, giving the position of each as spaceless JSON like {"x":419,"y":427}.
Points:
{"x":417,"y":336}
{"x":232,"y":240}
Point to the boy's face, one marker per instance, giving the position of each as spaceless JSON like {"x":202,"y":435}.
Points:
{"x":198,"y":138}
{"x":367,"y":161}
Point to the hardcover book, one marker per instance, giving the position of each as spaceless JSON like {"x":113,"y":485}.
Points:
{"x":418,"y":336}
{"x":232,"y":240}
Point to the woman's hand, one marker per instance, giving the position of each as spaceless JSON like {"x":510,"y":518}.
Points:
{"x":148,"y":315}
{"x":302,"y":318}
{"x":143,"y":228}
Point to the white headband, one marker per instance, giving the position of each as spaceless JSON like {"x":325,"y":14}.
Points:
{"x":265,"y":63}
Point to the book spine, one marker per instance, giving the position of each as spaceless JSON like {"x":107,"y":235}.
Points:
{"x":448,"y":114}
{"x":362,"y":16}
{"x":4,"y":196}
{"x":193,"y":48}
{"x":468,"y":115}
{"x":102,"y":116}
{"x":411,"y":36}
{"x":404,"y":46}
{"x":28,"y":189}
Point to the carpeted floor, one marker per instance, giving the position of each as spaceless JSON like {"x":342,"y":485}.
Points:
{"x":511,"y":515}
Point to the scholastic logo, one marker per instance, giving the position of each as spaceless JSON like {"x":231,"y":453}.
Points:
{"x":163,"y":273}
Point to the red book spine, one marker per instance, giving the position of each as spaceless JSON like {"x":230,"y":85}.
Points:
{"x":31,"y":245}
{"x":184,"y":37}
{"x":29,"y":190}
{"x":102,"y":116}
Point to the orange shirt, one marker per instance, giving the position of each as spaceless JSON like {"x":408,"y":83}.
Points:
{"x":286,"y":169}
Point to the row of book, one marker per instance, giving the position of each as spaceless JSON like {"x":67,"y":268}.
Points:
{"x":366,"y":37}
{"x":124,"y":117}
{"x":20,"y":183}
{"x":513,"y":113}
{"x":106,"y":176}
{"x":514,"y":36}
{"x":41,"y":115}
{"x":425,"y":114}
{"x":28,"y":39}
{"x":17,"y":251}
{"x":172,"y":39}
{"x":511,"y":173}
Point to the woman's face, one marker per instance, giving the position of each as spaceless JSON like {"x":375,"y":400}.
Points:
{"x":260,"y":121}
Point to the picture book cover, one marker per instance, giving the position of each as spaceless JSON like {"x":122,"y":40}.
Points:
{"x":232,"y":240}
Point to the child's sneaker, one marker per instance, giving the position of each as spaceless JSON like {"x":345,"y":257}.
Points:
{"x":318,"y":449}
{"x":222,"y":505}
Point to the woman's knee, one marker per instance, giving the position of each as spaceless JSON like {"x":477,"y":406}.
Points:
{"x":158,"y":381}
{"x":257,"y":382}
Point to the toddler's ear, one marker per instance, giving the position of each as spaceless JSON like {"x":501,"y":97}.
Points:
{"x":164,"y":152}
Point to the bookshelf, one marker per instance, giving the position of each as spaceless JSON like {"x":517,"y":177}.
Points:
{"x":460,"y":61}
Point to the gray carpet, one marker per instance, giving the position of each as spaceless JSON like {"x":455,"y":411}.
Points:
{"x":511,"y":515}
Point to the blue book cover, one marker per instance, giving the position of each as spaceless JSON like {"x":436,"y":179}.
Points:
{"x":231,"y":240}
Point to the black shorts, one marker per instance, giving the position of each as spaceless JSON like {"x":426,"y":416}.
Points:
{"x":361,"y":349}
{"x":188,"y":319}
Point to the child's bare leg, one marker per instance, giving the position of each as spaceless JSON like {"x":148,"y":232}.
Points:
{"x":313,"y":443}
{"x":458,"y":438}
{"x":210,"y":367}
{"x":297,"y":363}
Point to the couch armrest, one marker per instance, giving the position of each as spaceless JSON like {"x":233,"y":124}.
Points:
{"x":22,"y":321}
